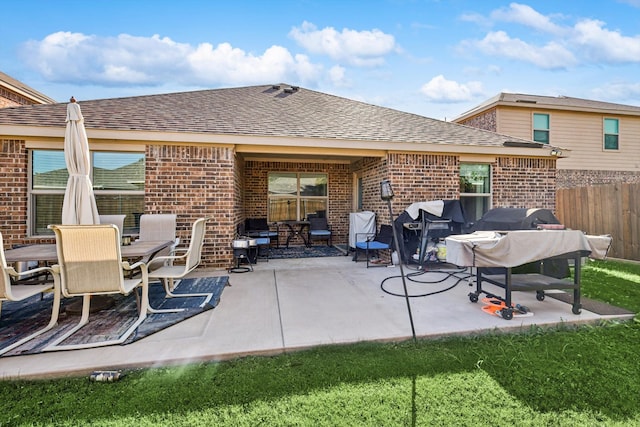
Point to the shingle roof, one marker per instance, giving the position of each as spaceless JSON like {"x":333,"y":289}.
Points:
{"x":552,"y":102}
{"x":269,"y":110}
{"x":26,"y":91}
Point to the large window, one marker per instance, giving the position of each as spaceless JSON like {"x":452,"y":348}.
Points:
{"x":118,"y":183}
{"x":296,"y":196}
{"x":475,"y":190}
{"x":611,"y":134}
{"x":541,"y":128}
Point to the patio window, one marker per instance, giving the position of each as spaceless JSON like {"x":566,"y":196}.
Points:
{"x":297,"y":196}
{"x":118,"y":184}
{"x":611,"y":134}
{"x":475,"y":190}
{"x":541,"y":128}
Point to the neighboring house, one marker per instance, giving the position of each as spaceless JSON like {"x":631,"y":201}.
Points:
{"x":604,"y":138}
{"x":14,"y":93}
{"x":275,"y":151}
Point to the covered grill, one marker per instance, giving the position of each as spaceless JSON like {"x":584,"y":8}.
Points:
{"x":505,"y":219}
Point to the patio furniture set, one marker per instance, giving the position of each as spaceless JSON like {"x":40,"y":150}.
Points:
{"x":90,"y":260}
{"x":255,"y":237}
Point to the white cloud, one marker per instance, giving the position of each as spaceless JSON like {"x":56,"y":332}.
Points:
{"x":125,"y":60}
{"x":526,"y":15}
{"x":337,"y":76}
{"x":634,"y":3}
{"x":227,"y":64}
{"x":618,"y":92}
{"x":587,"y":41}
{"x":359,"y":48}
{"x":68,"y":57}
{"x":600,"y":44}
{"x":439,"y":89}
{"x":550,"y":56}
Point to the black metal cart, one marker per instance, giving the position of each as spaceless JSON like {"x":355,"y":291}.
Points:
{"x":538,"y":282}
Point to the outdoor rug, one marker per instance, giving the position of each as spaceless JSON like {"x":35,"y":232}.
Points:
{"x":305,"y":252}
{"x":594,"y":306}
{"x":22,"y":318}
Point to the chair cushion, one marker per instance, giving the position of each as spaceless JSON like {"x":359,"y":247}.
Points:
{"x":320,"y":233}
{"x":261,"y":241}
{"x":372,"y":245}
{"x":267,"y":233}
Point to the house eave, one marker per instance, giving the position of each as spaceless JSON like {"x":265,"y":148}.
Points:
{"x":271,"y":144}
{"x":542,"y":106}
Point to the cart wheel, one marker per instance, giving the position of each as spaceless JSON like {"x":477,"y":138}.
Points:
{"x":540,"y":295}
{"x":576,"y":309}
{"x":507,"y":313}
{"x":473,"y":297}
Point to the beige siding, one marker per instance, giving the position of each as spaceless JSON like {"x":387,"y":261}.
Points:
{"x":515,"y":122}
{"x":582,"y":134}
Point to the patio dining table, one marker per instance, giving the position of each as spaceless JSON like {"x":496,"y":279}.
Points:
{"x":296,"y":228}
{"x":47,"y":252}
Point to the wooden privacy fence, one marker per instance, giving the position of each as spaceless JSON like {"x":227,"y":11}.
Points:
{"x":604,"y":209}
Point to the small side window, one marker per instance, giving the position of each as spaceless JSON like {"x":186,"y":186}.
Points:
{"x":611,"y":134}
{"x":541,"y":128}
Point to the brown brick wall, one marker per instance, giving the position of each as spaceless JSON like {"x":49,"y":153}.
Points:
{"x":420,"y":177}
{"x":13,"y":189}
{"x":414,"y":177}
{"x":524,"y":183}
{"x":195,"y":181}
{"x":12,"y":99}
{"x":568,"y":178}
{"x":192,"y":182}
{"x":339,"y":186}
{"x":517,"y":182}
{"x":487,"y":121}
{"x":239,"y":191}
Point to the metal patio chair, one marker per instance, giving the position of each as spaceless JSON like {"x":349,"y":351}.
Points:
{"x":319,"y":229}
{"x":382,"y":241}
{"x":184,"y":261}
{"x":159,"y":227}
{"x":90,"y":263}
{"x":20,"y":292}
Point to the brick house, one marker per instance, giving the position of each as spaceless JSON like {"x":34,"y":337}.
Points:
{"x":274,"y":151}
{"x":14,"y":93}
{"x":604,"y":138}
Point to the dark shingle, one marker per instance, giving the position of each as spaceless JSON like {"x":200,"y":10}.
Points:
{"x":257,"y":111}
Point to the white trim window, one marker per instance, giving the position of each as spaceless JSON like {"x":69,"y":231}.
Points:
{"x":611,"y":137}
{"x":541,"y":128}
{"x":296,"y":196}
{"x":118,"y":184}
{"x":475,"y":190}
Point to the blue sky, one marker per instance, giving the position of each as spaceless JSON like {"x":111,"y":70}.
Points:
{"x":429,"y":57}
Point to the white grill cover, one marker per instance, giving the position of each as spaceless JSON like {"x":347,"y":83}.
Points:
{"x":518,"y":247}
{"x":359,"y":224}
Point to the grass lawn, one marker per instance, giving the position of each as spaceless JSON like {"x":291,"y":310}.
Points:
{"x":565,"y":376}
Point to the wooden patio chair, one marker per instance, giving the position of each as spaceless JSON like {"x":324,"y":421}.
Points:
{"x":18,"y":292}
{"x":184,"y":261}
{"x":90,"y":263}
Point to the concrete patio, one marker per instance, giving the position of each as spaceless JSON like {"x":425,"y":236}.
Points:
{"x":285,"y":305}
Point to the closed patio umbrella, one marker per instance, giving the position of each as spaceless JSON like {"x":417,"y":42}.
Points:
{"x":79,"y":205}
